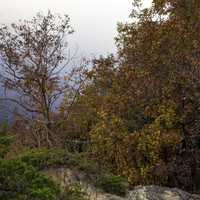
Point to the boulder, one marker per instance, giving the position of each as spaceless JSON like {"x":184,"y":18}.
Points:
{"x":159,"y":193}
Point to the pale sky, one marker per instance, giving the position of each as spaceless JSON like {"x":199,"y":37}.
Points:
{"x":94,"y":21}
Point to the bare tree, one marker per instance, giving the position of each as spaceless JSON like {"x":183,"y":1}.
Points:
{"x":34,"y":56}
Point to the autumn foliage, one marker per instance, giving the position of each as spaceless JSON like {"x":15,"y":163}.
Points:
{"x":137,"y":113}
{"x":145,"y":101}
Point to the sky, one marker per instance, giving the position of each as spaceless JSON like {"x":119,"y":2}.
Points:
{"x":94,"y":21}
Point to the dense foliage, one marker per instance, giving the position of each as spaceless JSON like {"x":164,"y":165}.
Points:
{"x":136,"y":115}
{"x":113,"y":184}
{"x":44,"y":158}
{"x":144,"y":102}
{"x":19,"y":181}
{"x":5,"y":140}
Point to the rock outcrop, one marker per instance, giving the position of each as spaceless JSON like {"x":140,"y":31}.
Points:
{"x":159,"y":193}
{"x":67,"y":176}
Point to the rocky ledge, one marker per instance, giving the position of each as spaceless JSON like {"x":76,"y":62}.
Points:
{"x":65,"y":176}
{"x":159,"y":193}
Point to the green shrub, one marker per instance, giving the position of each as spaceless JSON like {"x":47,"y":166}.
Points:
{"x":45,"y":158}
{"x":5,"y":140}
{"x":82,"y":162}
{"x":75,"y":192}
{"x":19,"y":181}
{"x":113,"y":184}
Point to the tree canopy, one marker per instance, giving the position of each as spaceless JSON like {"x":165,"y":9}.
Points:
{"x":134,"y":114}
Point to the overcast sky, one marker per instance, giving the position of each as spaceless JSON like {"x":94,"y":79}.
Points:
{"x":94,"y":21}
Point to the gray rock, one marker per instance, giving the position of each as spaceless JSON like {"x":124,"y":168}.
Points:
{"x":159,"y":193}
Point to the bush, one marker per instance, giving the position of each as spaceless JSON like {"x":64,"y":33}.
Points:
{"x":75,"y":192}
{"x":45,"y":158}
{"x":22,"y":182}
{"x":5,"y":140}
{"x":82,"y":162}
{"x":113,"y":184}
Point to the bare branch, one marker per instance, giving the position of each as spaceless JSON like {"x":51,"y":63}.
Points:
{"x":21,"y":105}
